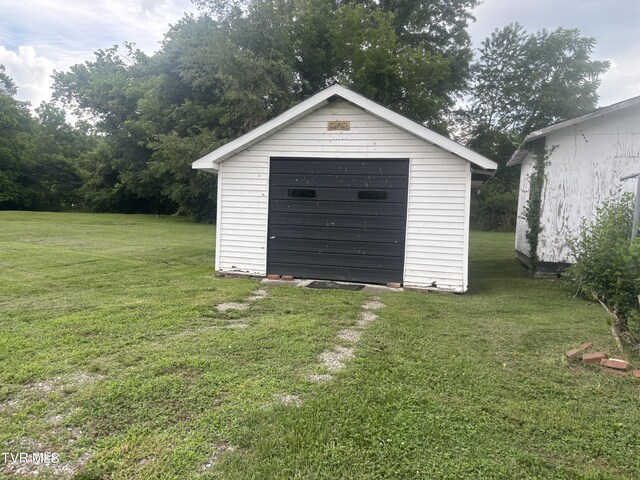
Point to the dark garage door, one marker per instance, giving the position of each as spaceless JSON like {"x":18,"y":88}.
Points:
{"x":337,"y":219}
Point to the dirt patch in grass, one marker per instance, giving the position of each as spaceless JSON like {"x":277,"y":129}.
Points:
{"x":236,"y":325}
{"x":288,"y":400}
{"x":365,"y":319}
{"x":36,"y":391}
{"x":373,"y":305}
{"x":259,"y":294}
{"x":218,"y":451}
{"x":334,"y":359}
{"x":225,"y":307}
{"x":256,"y":295}
{"x":320,"y":377}
{"x":349,"y":335}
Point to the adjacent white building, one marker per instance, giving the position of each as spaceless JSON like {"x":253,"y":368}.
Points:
{"x":589,"y":156}
{"x":341,"y":188}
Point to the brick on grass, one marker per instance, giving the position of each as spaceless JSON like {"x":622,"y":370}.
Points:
{"x":273,"y":277}
{"x":593,"y":357}
{"x":636,"y":373}
{"x":286,"y":278}
{"x":614,"y":363}
{"x":585,"y":346}
{"x":573,"y":354}
{"x":394,"y":285}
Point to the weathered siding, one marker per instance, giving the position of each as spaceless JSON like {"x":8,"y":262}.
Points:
{"x":439,"y":186}
{"x":526,"y":168}
{"x":584,"y":169}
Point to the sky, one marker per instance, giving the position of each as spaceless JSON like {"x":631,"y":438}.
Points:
{"x":40,"y":36}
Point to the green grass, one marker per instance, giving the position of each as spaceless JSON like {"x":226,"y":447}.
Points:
{"x":442,"y":386}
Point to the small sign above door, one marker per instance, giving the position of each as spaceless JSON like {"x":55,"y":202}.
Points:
{"x":340,"y":125}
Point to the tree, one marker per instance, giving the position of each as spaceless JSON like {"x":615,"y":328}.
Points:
{"x":16,"y":129}
{"x":522,"y":82}
{"x":55,"y":159}
{"x":220,"y":75}
{"x":39,"y":157}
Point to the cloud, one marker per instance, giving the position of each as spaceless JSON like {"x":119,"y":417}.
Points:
{"x":68,"y":32}
{"x":616,"y":33}
{"x":622,"y":81}
{"x":30,"y":72}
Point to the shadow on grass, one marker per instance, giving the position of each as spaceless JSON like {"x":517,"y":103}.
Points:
{"x":485,"y":275}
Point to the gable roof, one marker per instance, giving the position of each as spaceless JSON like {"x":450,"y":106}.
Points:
{"x":210,"y":161}
{"x":520,"y":154}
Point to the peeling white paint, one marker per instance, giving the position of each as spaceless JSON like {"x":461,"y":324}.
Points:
{"x":583,"y":170}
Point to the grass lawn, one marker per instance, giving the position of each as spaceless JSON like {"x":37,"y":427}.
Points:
{"x":113,"y":355}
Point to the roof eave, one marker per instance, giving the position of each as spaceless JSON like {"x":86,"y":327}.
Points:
{"x":600,"y":112}
{"x":320,"y":99}
{"x":518,"y":156}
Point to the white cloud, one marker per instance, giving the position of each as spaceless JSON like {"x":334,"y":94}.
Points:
{"x":30,"y":72}
{"x":65,"y":33}
{"x":616,"y":33}
{"x":622,"y":81}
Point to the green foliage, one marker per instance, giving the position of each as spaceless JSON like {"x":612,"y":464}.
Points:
{"x":218,"y":76}
{"x":39,"y":157}
{"x":533,"y":208}
{"x":522,"y":82}
{"x":16,"y":131}
{"x":494,"y":206}
{"x":607,"y":265}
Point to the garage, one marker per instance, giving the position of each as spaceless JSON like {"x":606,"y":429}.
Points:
{"x":341,"y":188}
{"x":339,"y":219}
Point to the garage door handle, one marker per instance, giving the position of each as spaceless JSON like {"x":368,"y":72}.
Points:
{"x":271,"y":238}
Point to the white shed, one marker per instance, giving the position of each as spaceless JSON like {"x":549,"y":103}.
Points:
{"x":589,"y":155}
{"x":341,"y":188}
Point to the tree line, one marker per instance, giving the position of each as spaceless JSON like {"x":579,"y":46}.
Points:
{"x":238,"y":63}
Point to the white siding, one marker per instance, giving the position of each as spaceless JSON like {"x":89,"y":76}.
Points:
{"x":584,"y":169}
{"x":526,"y":168}
{"x":439,"y":186}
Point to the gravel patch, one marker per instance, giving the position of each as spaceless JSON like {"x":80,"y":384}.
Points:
{"x":334,"y":359}
{"x":217,"y":453}
{"x":257,"y":295}
{"x":40,"y":390}
{"x":223,"y":307}
{"x":320,"y":378}
{"x":349,"y":335}
{"x":236,"y":325}
{"x":365,"y":319}
{"x":373,"y":305}
{"x":293,"y":400}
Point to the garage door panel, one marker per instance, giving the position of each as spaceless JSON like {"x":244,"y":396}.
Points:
{"x":330,"y":207}
{"x":342,"y":166}
{"x":339,"y":220}
{"x":294,"y":233}
{"x":337,"y":246}
{"x":333,"y":259}
{"x":347,"y":274}
{"x":339,"y":180}
{"x":295,"y":192}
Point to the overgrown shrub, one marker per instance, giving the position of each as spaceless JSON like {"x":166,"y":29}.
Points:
{"x":494,"y":208}
{"x":607,"y":265}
